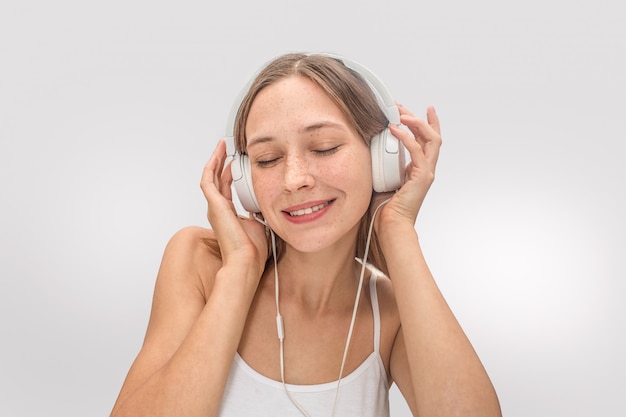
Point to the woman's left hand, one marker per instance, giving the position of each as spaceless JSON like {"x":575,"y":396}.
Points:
{"x":422,"y":143}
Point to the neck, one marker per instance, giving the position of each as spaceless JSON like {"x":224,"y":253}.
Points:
{"x":318,"y":282}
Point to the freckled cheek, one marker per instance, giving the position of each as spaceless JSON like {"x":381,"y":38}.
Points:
{"x":352,"y":176}
{"x":337,"y":177}
{"x":358,"y":168}
{"x":265,"y":187}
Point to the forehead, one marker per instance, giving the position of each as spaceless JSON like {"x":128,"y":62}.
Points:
{"x":294,"y":101}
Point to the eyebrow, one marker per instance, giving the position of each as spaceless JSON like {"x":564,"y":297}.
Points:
{"x":321,"y":125}
{"x":325,"y":124}
{"x":258,"y":141}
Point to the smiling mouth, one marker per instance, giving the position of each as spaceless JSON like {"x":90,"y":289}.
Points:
{"x":308,"y":210}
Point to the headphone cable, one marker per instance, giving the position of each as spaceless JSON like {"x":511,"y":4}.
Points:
{"x":279,"y":319}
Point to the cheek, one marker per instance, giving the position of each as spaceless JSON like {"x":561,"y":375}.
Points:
{"x":359,"y":168}
{"x":265,"y":185}
{"x":353,"y":175}
{"x":353,"y":169}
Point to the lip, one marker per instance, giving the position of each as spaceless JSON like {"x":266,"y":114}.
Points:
{"x":305,"y":218}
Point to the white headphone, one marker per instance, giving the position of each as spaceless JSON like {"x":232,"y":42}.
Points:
{"x":388,"y":157}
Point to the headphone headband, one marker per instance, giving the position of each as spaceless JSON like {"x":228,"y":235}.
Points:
{"x":383,"y":96}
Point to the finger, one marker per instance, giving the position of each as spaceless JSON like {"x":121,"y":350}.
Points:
{"x":431,"y":116}
{"x":414,"y":148}
{"x":433,"y":119}
{"x":416,"y":125}
{"x":208,"y":171}
{"x":220,"y":208}
{"x":433,"y":148}
{"x":221,"y":159}
{"x":411,"y":121}
{"x":213,"y":165}
{"x":226,"y":181}
{"x":213,"y":188}
{"x":403,"y":110}
{"x":425,"y":134}
{"x":420,"y":128}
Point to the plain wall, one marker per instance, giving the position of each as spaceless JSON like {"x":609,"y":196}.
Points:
{"x":109,"y":111}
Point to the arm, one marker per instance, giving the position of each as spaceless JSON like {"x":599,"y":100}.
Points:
{"x":432,"y":360}
{"x":444,"y":375}
{"x":199,"y":311}
{"x":189,"y":345}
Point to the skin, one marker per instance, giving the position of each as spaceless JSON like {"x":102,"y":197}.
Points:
{"x":205,"y":310}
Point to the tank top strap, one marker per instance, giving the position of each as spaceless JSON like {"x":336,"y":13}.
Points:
{"x":375,"y":311}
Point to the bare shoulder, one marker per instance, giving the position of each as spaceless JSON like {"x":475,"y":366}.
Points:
{"x":184,"y":283}
{"x":191,"y":240}
{"x":192,"y":254}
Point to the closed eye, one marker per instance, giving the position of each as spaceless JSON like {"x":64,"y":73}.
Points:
{"x":328,"y":151}
{"x":262,"y":163}
{"x":270,"y":160}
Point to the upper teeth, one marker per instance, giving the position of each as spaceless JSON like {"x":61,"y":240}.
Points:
{"x":308,"y":210}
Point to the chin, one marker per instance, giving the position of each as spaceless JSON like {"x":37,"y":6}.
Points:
{"x":307,"y":243}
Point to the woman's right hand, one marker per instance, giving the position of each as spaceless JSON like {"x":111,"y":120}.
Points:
{"x":240,"y":240}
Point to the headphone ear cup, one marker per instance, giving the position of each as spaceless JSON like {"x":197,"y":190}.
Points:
{"x":388,"y":162}
{"x":242,"y":182}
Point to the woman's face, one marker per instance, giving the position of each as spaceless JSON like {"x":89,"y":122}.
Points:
{"x":311,"y":172}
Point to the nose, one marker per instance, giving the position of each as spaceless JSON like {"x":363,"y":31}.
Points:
{"x":296,"y":173}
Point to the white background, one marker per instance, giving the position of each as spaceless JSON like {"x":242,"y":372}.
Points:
{"x":108,"y":113}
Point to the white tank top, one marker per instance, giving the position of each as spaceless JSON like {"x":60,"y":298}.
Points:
{"x":363,"y":393}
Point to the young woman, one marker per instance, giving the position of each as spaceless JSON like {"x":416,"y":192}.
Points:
{"x":266,"y":315}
